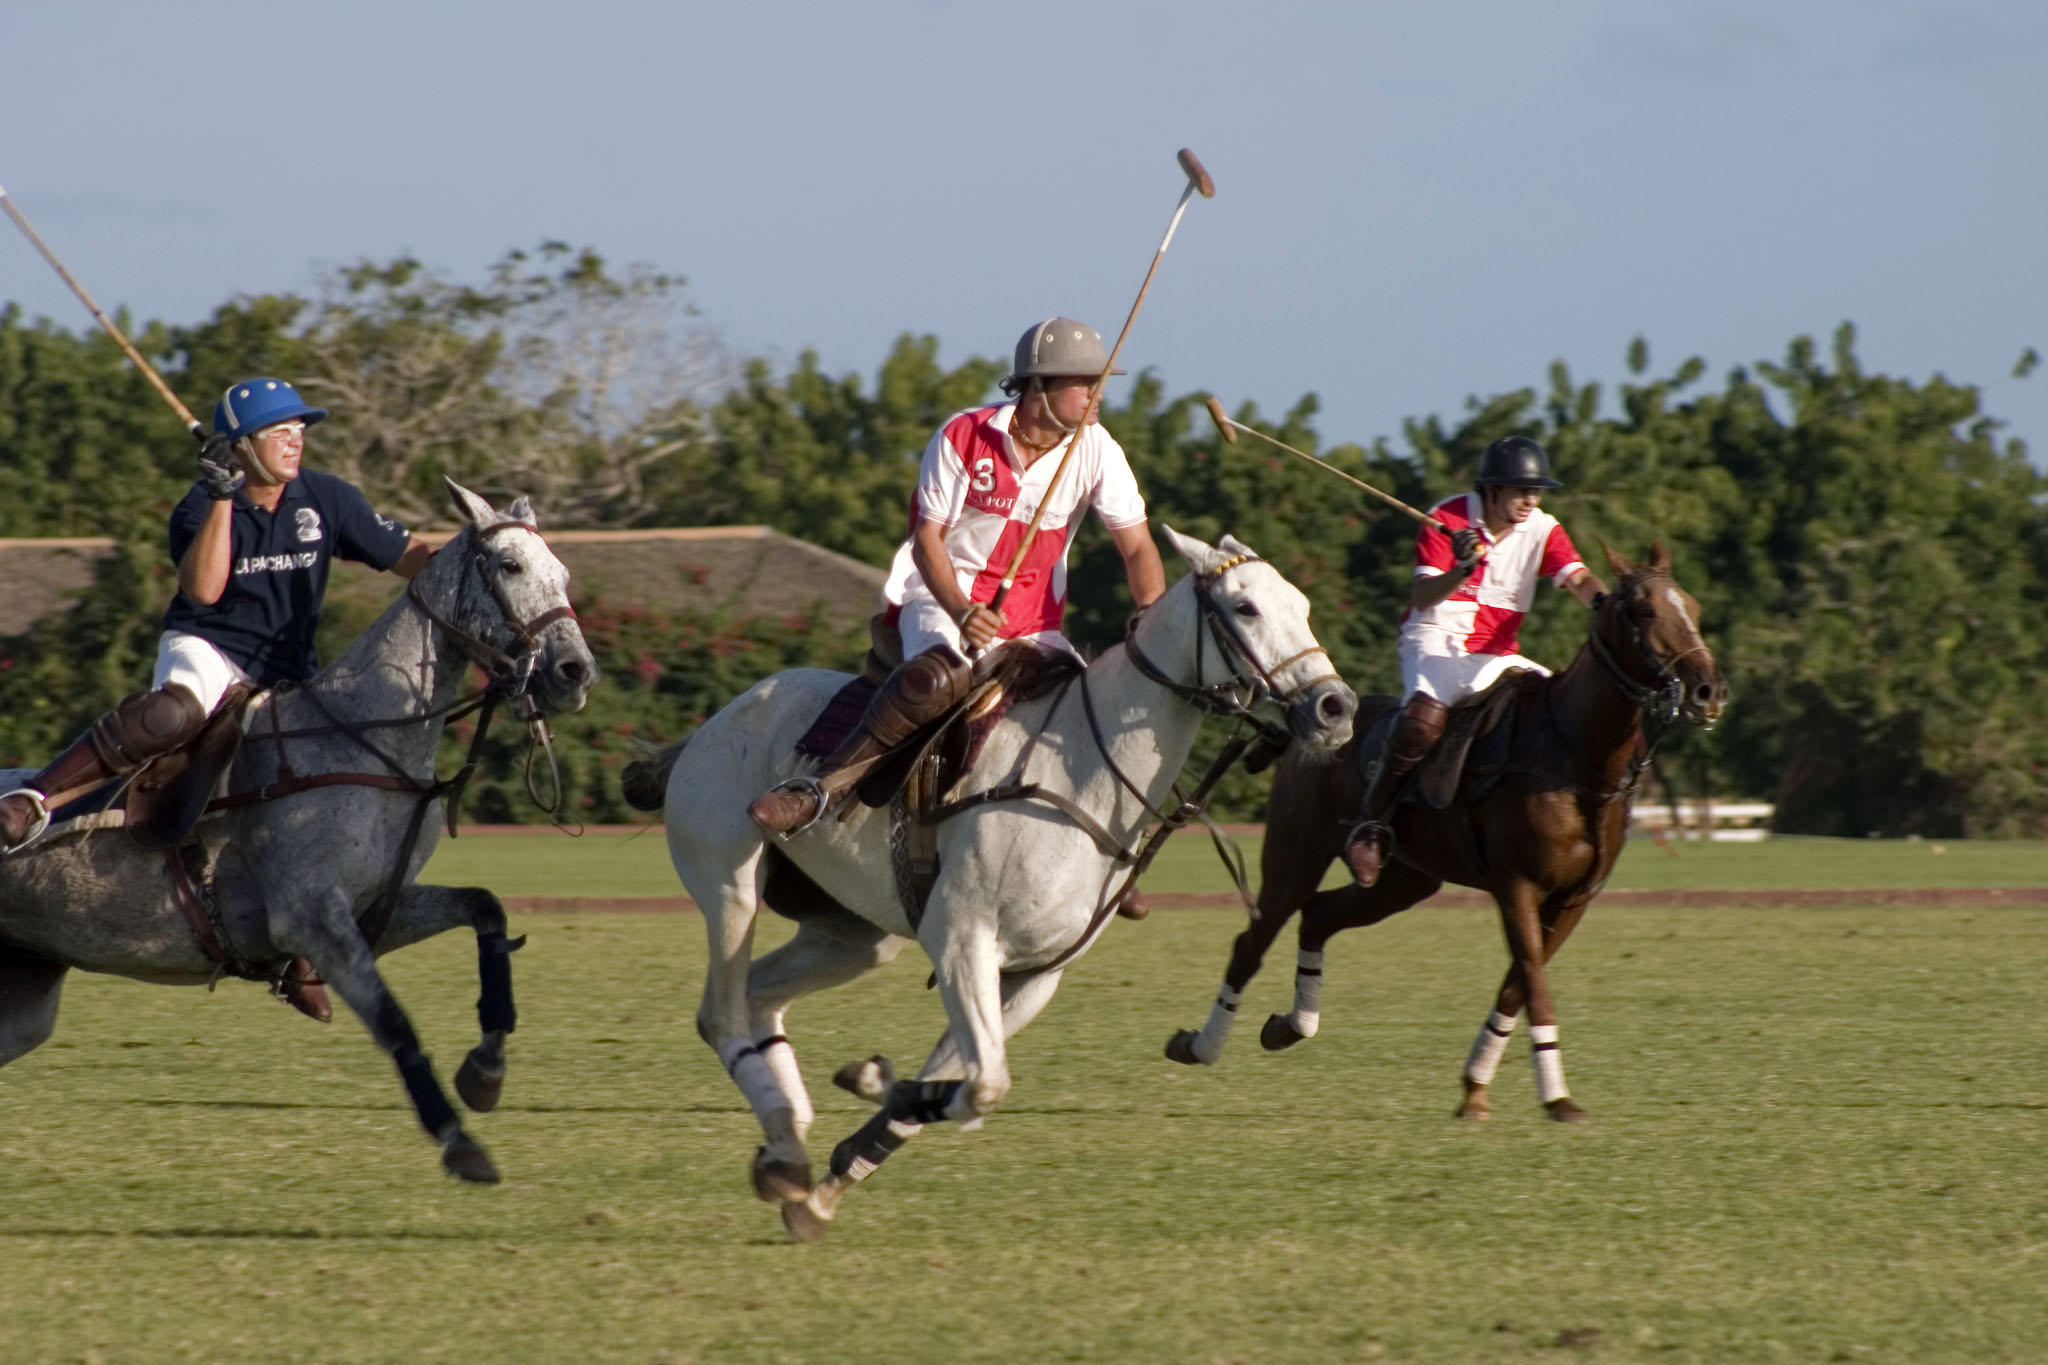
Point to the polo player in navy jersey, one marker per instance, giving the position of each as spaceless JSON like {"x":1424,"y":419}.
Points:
{"x":253,"y":541}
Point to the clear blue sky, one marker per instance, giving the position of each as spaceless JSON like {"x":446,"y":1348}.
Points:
{"x":1416,"y":202}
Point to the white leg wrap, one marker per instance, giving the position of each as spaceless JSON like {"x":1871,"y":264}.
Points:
{"x":743,"y":1062}
{"x":1484,"y":1058}
{"x":1549,"y":1062}
{"x":781,"y":1059}
{"x":1208,"y":1044}
{"x":1308,"y":993}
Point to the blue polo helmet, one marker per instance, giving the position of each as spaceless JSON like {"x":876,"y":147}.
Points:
{"x":253,"y":404}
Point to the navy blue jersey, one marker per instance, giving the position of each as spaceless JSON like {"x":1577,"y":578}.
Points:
{"x":277,"y":573}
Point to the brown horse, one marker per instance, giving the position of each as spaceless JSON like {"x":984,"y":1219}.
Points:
{"x":1539,"y":829}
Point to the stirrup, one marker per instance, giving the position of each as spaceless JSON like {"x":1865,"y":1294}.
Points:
{"x":1377,"y":833}
{"x":36,"y":826}
{"x":820,"y":802}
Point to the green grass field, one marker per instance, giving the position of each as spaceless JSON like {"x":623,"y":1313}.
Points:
{"x":547,"y":863}
{"x":1818,"y":1135}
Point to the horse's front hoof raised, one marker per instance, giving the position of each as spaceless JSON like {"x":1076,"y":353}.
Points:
{"x":1565,"y":1111}
{"x":775,"y":1179}
{"x":870,"y":1079}
{"x":478,"y":1085}
{"x":465,"y":1159}
{"x":1279,"y":1033}
{"x":1181,"y":1048}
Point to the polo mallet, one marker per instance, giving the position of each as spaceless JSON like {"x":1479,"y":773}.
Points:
{"x":1198,"y":180}
{"x":1227,"y":427}
{"x":135,"y":357}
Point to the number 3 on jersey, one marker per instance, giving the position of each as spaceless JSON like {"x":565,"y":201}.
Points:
{"x":984,"y":475}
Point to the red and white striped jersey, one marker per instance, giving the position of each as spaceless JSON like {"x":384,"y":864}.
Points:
{"x":1485,"y":613}
{"x":973,"y":482}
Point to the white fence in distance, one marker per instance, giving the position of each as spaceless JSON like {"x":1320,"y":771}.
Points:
{"x":1724,"y":822}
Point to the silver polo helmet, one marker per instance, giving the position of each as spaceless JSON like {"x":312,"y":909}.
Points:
{"x":1058,"y":346}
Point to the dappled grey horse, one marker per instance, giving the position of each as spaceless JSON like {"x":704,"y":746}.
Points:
{"x":329,"y":812}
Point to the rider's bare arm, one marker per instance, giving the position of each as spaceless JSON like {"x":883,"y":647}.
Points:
{"x":1142,"y":569}
{"x":935,"y":565}
{"x":1431,"y":589}
{"x":203,"y":572}
{"x":417,"y":553}
{"x":1584,"y":586}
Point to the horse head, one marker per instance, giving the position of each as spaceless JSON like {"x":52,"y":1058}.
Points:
{"x":1653,"y":635}
{"x":1237,"y":637}
{"x":498,"y":589}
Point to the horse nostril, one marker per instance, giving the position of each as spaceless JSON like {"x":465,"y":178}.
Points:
{"x":1333,"y":707}
{"x":571,"y":670}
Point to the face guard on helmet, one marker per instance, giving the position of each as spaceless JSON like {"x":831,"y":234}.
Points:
{"x":1516,"y":461}
{"x":248,"y":407}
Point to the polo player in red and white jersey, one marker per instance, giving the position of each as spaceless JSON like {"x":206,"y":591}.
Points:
{"x":985,"y":474}
{"x":1464,"y":611}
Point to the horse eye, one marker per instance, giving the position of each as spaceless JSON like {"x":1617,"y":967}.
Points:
{"x":1247,"y":610}
{"x":509,"y":566}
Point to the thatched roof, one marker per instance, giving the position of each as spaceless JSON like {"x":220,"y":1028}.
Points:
{"x":749,"y":570}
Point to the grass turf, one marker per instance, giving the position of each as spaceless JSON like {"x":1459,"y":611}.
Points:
{"x":1817,"y":1135}
{"x":547,"y":863}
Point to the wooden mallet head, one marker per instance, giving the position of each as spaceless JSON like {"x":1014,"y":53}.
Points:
{"x":1223,"y":427}
{"x":1197,"y":177}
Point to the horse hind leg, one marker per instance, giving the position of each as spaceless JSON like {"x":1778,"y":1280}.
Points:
{"x":30,"y":988}
{"x":1346,"y":907}
{"x":424,"y":911}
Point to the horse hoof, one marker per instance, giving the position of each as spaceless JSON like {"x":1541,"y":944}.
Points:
{"x":786,"y":1181}
{"x":478,"y":1086}
{"x":1279,"y":1033}
{"x":465,"y":1158}
{"x":870,"y":1079}
{"x":1564,"y":1111}
{"x":1474,"y":1108}
{"x":804,"y":1223}
{"x":1181,"y":1048}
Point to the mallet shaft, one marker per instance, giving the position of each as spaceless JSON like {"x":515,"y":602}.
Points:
{"x":134,"y":356}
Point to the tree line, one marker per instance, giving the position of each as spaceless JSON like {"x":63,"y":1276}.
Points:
{"x":1870,"y":555}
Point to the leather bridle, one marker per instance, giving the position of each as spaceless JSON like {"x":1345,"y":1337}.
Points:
{"x":1258,"y":681}
{"x":510,"y":674}
{"x":1663,"y":697}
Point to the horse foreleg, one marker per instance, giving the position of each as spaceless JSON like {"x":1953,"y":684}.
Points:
{"x":424,"y":911}
{"x":892,"y":1125}
{"x":1530,"y":942}
{"x":29,"y":991}
{"x":326,"y":934}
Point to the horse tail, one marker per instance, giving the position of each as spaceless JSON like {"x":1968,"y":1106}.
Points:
{"x":644,"y":781}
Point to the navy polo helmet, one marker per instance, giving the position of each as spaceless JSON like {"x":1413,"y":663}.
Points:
{"x":253,"y":404}
{"x":1518,"y":461}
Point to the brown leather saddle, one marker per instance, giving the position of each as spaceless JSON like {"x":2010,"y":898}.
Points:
{"x":1478,"y":736}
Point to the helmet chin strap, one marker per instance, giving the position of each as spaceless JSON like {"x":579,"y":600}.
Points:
{"x":252,"y":464}
{"x":1045,"y":406}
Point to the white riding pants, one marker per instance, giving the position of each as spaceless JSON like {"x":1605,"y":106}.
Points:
{"x":924,"y":623}
{"x":196,"y":665}
{"x":1450,"y":675}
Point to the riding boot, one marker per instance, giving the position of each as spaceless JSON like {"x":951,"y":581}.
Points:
{"x":143,"y":726}
{"x":917,"y":693}
{"x":1415,"y":732}
{"x":301,"y":987}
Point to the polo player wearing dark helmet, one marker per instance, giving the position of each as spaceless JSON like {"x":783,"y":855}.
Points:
{"x":1464,"y":611}
{"x":253,"y":540}
{"x":983,"y":476}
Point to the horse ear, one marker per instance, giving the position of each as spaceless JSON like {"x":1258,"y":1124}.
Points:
{"x":1230,"y":544}
{"x":472,"y":508}
{"x":1197,"y":553}
{"x":1660,"y":558}
{"x":1620,"y":565}
{"x":522,"y":510}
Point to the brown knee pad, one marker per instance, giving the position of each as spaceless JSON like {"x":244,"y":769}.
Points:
{"x":146,"y":724}
{"x":916,"y":694}
{"x":1416,"y":732}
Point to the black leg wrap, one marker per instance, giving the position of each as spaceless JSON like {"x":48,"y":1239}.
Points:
{"x":494,"y":1009}
{"x":921,"y":1101}
{"x":436,"y":1114}
{"x":871,"y":1143}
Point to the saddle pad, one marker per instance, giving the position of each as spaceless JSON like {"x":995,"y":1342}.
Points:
{"x":838,"y":720}
{"x":1484,"y":717}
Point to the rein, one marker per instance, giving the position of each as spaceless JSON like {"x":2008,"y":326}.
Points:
{"x":1221,"y":698}
{"x":1659,"y":700}
{"x":510,"y":677}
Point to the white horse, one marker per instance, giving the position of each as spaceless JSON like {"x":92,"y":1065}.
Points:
{"x":295,"y":873}
{"x":1023,"y":885}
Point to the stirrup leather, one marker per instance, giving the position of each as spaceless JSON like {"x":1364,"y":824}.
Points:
{"x":37,"y":826}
